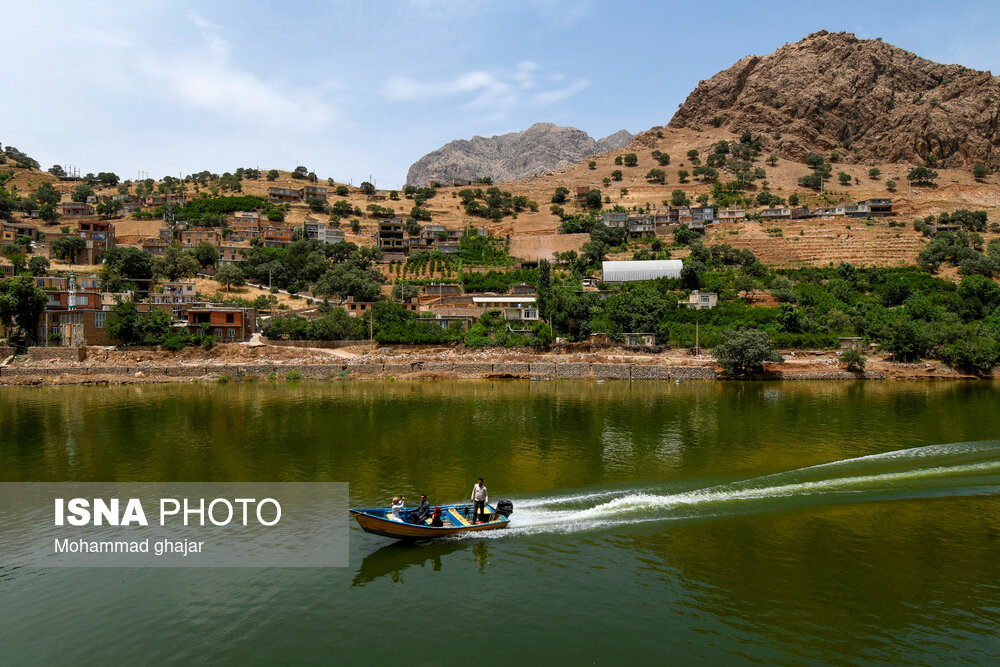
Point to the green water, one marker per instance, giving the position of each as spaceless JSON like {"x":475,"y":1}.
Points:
{"x":708,"y":523}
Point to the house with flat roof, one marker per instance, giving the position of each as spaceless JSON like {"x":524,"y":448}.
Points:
{"x":513,"y":307}
{"x":700,"y":301}
{"x":228,"y":323}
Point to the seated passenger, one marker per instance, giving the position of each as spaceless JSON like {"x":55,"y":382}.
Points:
{"x":436,"y":518}
{"x":397,"y":507}
{"x":422,"y":511}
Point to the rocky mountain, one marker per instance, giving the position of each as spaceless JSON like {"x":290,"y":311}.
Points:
{"x":867,"y":100}
{"x":506,"y":157}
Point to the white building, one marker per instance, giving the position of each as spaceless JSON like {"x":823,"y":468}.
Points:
{"x":637,"y":270}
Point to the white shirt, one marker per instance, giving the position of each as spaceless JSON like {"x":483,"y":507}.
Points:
{"x":480,"y":493}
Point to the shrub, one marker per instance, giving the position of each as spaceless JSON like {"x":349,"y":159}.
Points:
{"x":744,"y":352}
{"x":293,"y":375}
{"x":592,"y":165}
{"x":854,"y":359}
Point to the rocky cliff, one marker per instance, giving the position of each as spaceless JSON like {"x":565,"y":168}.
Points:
{"x":506,"y":157}
{"x":868,"y":100}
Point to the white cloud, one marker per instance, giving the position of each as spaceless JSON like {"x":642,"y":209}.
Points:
{"x":553,"y":96}
{"x":497,"y":93}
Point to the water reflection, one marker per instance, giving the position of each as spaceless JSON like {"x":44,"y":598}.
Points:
{"x":393,"y":559}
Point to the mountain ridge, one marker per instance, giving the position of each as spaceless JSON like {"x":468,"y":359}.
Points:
{"x":511,"y":156}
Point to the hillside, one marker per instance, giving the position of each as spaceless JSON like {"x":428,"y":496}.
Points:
{"x":866,"y":99}
{"x":542,"y":147}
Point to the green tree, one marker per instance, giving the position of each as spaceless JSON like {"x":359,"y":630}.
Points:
{"x":175,"y":264}
{"x":38,"y":266}
{"x":844,"y":177}
{"x":683,"y":175}
{"x":206,"y":254}
{"x":743,"y":352}
{"x":678,"y":198}
{"x":890,"y":186}
{"x":57,"y":170}
{"x":656,"y":176}
{"x":616,"y":175}
{"x":592,"y":165}
{"x":229,"y":275}
{"x":874,"y":173}
{"x":922,"y":175}
{"x":272,"y":175}
{"x":559,"y":196}
{"x":618,"y":159}
{"x":343,"y":191}
{"x":980,"y":171}
{"x":68,"y":247}
{"x":793,"y":199}
{"x":594,"y":199}
{"x":21,"y":302}
{"x":46,"y":194}
{"x":367,"y":188}
{"x":82,"y":192}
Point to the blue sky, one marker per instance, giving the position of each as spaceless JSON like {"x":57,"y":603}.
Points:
{"x":352,"y":89}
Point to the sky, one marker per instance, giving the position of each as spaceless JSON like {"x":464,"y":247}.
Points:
{"x":360,"y":90}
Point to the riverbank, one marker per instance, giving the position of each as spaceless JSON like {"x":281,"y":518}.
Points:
{"x":246,"y":362}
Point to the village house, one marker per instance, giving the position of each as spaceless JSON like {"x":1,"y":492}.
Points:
{"x":278,"y":195}
{"x":731,"y":214}
{"x":323,"y":232}
{"x":156,"y":247}
{"x":581,"y":193}
{"x":615,"y":219}
{"x":155,"y":201}
{"x":778,"y":213}
{"x":10,"y":232}
{"x":698,"y":301}
{"x":232,"y":253}
{"x":877,"y":208}
{"x":391,"y":237}
{"x":228,"y":323}
{"x":193,"y":237}
{"x":313,"y":192}
{"x":513,"y":307}
{"x":275,"y":236}
{"x":441,"y":289}
{"x":73,"y":327}
{"x":436,"y":237}
{"x":99,"y":236}
{"x":630,"y":339}
{"x":91,"y":282}
{"x":75,"y":209}
{"x":245,"y":225}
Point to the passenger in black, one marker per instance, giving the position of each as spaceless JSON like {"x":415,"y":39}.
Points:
{"x":421,"y":512}
{"x":436,"y":518}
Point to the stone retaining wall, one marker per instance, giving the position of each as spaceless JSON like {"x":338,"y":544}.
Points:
{"x":573,"y":370}
{"x":57,"y":353}
{"x":325,"y":344}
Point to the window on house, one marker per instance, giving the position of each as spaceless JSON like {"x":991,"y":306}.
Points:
{"x":100,"y":319}
{"x":230,"y":318}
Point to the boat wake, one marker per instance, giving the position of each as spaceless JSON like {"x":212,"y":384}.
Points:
{"x":964,"y":468}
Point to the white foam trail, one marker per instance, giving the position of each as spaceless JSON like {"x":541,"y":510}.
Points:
{"x":640,"y":506}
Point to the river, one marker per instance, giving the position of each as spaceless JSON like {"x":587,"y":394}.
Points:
{"x":708,"y":522}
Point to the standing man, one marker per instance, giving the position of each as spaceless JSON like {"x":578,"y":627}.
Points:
{"x":480,"y":496}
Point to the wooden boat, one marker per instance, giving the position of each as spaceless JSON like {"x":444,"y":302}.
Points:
{"x":456,"y":520}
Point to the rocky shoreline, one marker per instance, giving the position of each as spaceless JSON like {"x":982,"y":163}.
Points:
{"x":236,"y":362}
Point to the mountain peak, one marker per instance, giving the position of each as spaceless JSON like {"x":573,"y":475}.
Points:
{"x":864,"y":98}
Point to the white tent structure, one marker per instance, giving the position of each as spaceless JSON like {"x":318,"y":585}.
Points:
{"x":636,"y":270}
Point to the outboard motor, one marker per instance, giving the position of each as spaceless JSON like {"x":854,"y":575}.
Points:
{"x":506,"y":508}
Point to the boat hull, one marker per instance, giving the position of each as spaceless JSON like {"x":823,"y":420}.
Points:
{"x":371,"y":522}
